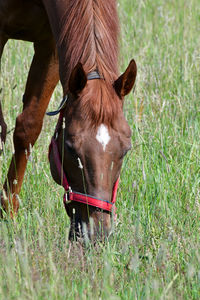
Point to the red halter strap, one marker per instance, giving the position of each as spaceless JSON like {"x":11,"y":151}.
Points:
{"x":69,"y":195}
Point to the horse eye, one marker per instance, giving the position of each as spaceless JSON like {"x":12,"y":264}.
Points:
{"x":125,"y":152}
{"x":69,"y":147}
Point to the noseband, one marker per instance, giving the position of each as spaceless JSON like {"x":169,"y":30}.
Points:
{"x":70,"y":195}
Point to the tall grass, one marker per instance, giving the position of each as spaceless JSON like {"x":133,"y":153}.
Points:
{"x":154,"y":251}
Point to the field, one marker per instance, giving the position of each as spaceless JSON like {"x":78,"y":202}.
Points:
{"x":154,"y":251}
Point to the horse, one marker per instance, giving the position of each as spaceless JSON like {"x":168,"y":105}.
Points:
{"x":75,"y":42}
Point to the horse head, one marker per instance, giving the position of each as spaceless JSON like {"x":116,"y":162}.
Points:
{"x":92,"y":138}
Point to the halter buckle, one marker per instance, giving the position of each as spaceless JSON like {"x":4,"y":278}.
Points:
{"x":67,"y":193}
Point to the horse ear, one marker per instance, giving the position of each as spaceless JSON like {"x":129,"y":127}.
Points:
{"x":77,"y":80}
{"x":125,"y":82}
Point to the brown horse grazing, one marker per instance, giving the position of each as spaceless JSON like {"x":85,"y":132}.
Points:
{"x":92,"y":135}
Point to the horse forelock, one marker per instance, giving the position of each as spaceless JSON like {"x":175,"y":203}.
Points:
{"x":99,"y":104}
{"x":90,"y":35}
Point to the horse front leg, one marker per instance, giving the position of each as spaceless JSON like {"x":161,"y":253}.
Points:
{"x":42,"y":80}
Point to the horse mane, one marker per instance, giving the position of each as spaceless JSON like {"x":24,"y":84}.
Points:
{"x":90,"y":30}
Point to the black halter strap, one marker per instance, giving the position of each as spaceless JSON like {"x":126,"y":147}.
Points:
{"x":62,"y":104}
{"x":92,"y":75}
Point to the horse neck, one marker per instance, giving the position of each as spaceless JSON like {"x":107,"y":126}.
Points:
{"x":85,"y":31}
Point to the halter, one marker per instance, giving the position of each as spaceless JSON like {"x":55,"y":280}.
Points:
{"x":70,"y":195}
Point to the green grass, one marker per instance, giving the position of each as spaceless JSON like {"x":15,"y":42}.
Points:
{"x":154,"y":252}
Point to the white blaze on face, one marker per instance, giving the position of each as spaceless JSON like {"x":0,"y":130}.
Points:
{"x":103,"y":136}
